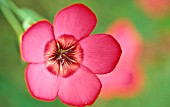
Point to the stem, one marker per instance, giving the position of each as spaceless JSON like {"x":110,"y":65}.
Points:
{"x":12,"y":21}
{"x":16,"y":10}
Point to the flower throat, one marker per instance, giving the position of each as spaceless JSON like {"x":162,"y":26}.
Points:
{"x":63,"y":56}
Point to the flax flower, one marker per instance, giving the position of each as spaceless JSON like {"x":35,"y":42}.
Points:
{"x":63,"y":59}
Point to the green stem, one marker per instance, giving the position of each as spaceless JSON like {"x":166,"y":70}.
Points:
{"x":12,"y":21}
{"x":16,"y":10}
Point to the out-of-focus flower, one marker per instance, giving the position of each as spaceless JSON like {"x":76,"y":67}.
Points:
{"x":127,"y":77}
{"x":64,"y":60}
{"x":155,"y":8}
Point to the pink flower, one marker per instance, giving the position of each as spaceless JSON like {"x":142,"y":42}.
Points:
{"x":155,"y":8}
{"x":127,"y":77}
{"x":64,"y":60}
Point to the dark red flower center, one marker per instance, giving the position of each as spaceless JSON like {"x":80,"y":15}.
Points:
{"x":63,"y":56}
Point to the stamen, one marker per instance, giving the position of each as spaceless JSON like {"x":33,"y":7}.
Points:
{"x":58,"y":46}
{"x":59,"y":57}
{"x":70,"y":59}
{"x":62,"y":61}
{"x":61,"y":68}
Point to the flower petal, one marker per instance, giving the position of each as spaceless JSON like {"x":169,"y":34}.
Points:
{"x":34,"y":41}
{"x":42,"y":84}
{"x":77,"y":20}
{"x":80,"y":89}
{"x":101,"y":53}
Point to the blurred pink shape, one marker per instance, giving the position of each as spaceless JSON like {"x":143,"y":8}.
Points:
{"x":127,"y":78}
{"x":155,"y":8}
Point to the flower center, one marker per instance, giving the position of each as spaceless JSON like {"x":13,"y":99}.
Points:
{"x":63,"y":56}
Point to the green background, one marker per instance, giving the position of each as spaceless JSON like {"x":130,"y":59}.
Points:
{"x":155,"y":58}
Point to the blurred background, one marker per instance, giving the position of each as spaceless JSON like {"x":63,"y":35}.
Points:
{"x":151,"y":18}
